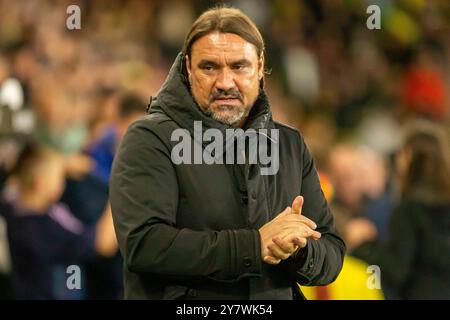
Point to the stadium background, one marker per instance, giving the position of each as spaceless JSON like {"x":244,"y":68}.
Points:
{"x":348,"y":89}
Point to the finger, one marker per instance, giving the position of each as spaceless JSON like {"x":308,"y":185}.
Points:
{"x":308,"y":233}
{"x":299,"y":218}
{"x":277,"y":253}
{"x":316,"y":235}
{"x":284,"y":213}
{"x":308,"y":222}
{"x":271,"y":260}
{"x":299,"y":229}
{"x":297,"y":205}
{"x":301,"y":242}
{"x":287,"y":245}
{"x":298,"y":241}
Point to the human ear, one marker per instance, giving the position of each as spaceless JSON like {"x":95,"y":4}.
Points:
{"x":188,"y":67}
{"x":261,"y":67}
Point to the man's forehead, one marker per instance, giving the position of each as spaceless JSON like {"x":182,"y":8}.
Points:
{"x":216,"y":45}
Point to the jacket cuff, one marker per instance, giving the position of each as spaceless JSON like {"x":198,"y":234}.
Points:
{"x":247,"y":248}
{"x":306,"y":264}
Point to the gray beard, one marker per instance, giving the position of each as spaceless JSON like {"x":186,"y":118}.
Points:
{"x":238,"y":116}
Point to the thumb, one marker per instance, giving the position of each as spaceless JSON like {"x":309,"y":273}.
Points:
{"x":297,"y":205}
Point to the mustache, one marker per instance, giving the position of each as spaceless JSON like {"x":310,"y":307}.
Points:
{"x":225,"y":94}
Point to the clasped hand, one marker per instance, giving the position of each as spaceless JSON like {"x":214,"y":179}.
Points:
{"x":286,"y":233}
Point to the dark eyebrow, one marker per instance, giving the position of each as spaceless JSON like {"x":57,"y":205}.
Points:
{"x":243,"y":62}
{"x":207,"y":63}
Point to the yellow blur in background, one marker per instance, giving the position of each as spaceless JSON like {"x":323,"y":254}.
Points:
{"x":351,"y":284}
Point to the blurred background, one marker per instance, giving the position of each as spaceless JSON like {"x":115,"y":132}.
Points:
{"x":67,"y":97}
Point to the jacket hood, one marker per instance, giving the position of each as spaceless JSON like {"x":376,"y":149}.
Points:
{"x":175,"y":100}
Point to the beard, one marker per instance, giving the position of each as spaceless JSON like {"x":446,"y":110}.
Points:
{"x":227,"y":114}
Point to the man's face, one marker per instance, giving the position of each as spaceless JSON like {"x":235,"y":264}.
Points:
{"x":224,"y":72}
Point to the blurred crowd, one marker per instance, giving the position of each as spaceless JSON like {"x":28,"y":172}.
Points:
{"x":373,"y":105}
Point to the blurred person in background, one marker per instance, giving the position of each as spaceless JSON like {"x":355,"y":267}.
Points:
{"x":106,"y":98}
{"x":415,"y":260}
{"x":377,"y":189}
{"x":60,"y":125}
{"x":345,"y":172}
{"x":349,"y":163}
{"x":104,"y":275}
{"x":362,"y":196}
{"x":124,"y":108}
{"x":43,"y":235}
{"x":130,"y":108}
{"x":88,"y":196}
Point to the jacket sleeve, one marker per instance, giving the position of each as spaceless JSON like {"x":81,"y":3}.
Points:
{"x":320,"y":262}
{"x":144,"y":201}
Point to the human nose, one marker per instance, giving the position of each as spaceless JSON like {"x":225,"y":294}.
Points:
{"x":225,"y":80}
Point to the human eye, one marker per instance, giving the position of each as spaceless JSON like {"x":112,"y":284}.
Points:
{"x":240,"y":65}
{"x":207,"y":66}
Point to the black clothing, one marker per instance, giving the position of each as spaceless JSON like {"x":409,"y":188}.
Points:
{"x":191,"y":230}
{"x":415,"y":260}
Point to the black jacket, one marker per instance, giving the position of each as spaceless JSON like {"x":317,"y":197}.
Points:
{"x":191,"y":231}
{"x":415,"y":259}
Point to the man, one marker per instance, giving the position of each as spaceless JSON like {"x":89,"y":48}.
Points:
{"x":219,"y":230}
